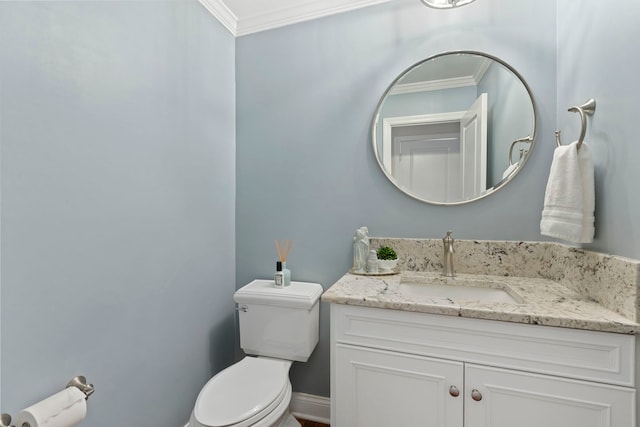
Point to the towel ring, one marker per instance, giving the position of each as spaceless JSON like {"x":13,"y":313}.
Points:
{"x":528,"y":139}
{"x":588,"y":108}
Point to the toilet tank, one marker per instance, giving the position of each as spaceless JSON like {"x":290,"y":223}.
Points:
{"x":279,"y":322}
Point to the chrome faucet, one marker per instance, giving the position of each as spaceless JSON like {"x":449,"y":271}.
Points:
{"x":447,"y":261}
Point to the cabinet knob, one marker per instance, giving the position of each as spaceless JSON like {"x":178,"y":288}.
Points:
{"x":453,"y":391}
{"x":476,"y":395}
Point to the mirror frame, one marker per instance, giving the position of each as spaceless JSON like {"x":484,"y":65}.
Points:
{"x":500,"y":184}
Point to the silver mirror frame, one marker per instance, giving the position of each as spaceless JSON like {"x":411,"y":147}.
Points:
{"x":450,"y":4}
{"x":502,"y":183}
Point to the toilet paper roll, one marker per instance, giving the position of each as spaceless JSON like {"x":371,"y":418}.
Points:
{"x":64,"y":409}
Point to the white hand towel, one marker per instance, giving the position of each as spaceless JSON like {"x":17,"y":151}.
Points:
{"x":569,"y":199}
{"x":509,"y":170}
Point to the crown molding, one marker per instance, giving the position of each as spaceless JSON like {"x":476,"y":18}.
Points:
{"x":451,"y":83}
{"x":482,"y":68}
{"x":433,"y":85}
{"x":304,"y":11}
{"x":223,"y":14}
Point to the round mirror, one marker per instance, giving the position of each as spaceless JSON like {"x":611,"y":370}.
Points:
{"x":454,"y":128}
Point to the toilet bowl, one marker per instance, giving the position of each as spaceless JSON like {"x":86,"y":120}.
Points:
{"x":278,"y":326}
{"x":253,"y":392}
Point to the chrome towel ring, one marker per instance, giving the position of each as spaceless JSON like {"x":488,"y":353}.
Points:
{"x":526,"y":139}
{"x":588,"y":108}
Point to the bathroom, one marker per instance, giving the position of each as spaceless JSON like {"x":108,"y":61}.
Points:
{"x":150,"y":157}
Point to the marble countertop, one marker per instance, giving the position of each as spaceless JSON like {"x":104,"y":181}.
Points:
{"x":539,"y":301}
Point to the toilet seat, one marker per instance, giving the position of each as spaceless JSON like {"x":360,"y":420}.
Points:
{"x":244,"y":393}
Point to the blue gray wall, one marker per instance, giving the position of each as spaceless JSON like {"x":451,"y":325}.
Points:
{"x":306,"y":95}
{"x":597,"y":58}
{"x":118,"y":204}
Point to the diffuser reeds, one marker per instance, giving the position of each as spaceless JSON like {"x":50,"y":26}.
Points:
{"x":283,"y":249}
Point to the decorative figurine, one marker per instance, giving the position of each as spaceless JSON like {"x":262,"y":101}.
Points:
{"x":360,"y":250}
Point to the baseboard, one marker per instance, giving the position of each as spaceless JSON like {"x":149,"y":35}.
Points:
{"x":310,"y":407}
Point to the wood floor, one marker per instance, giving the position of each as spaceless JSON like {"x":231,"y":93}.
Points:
{"x":306,"y":423}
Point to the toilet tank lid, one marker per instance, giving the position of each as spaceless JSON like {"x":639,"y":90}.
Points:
{"x":296,"y":295}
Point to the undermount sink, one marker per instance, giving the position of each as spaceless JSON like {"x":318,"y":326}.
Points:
{"x":473,"y":288}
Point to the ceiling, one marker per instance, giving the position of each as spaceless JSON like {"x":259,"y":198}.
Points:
{"x":243,"y":17}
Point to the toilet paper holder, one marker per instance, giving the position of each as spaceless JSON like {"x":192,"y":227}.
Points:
{"x":80,"y":382}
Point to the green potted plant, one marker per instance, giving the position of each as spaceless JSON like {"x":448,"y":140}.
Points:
{"x":387,"y":258}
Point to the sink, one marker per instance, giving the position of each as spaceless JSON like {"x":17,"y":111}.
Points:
{"x":469,"y":288}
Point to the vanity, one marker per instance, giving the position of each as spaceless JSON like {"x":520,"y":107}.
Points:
{"x":529,"y":335}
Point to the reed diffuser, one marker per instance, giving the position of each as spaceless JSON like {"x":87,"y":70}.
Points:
{"x":283,"y":274}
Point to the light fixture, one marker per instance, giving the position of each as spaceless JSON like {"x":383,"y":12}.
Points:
{"x":446,"y":4}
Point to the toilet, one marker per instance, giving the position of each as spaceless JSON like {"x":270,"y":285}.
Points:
{"x":277,"y":327}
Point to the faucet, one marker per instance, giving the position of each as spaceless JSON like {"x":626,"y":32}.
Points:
{"x":447,"y":263}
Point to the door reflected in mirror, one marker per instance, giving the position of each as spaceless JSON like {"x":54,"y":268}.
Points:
{"x":454,"y":128}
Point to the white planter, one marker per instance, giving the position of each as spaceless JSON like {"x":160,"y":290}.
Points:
{"x":387,"y":264}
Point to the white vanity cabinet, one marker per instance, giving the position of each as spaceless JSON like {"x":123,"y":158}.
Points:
{"x":399,"y":368}
{"x":514,"y":398}
{"x":382,"y":388}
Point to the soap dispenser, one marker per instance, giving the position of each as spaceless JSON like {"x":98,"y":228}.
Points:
{"x":279,"y":276}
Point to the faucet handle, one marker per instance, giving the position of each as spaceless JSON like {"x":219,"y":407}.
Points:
{"x":448,"y":238}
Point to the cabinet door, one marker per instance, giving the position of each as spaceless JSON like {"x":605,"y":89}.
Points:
{"x":377,"y":388}
{"x":513,"y":398}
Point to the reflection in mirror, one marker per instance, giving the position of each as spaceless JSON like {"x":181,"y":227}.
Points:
{"x":454,"y":128}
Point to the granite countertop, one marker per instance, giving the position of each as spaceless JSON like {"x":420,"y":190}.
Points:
{"x":539,"y":301}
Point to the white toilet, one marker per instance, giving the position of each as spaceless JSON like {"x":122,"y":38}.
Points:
{"x":279,"y":326}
